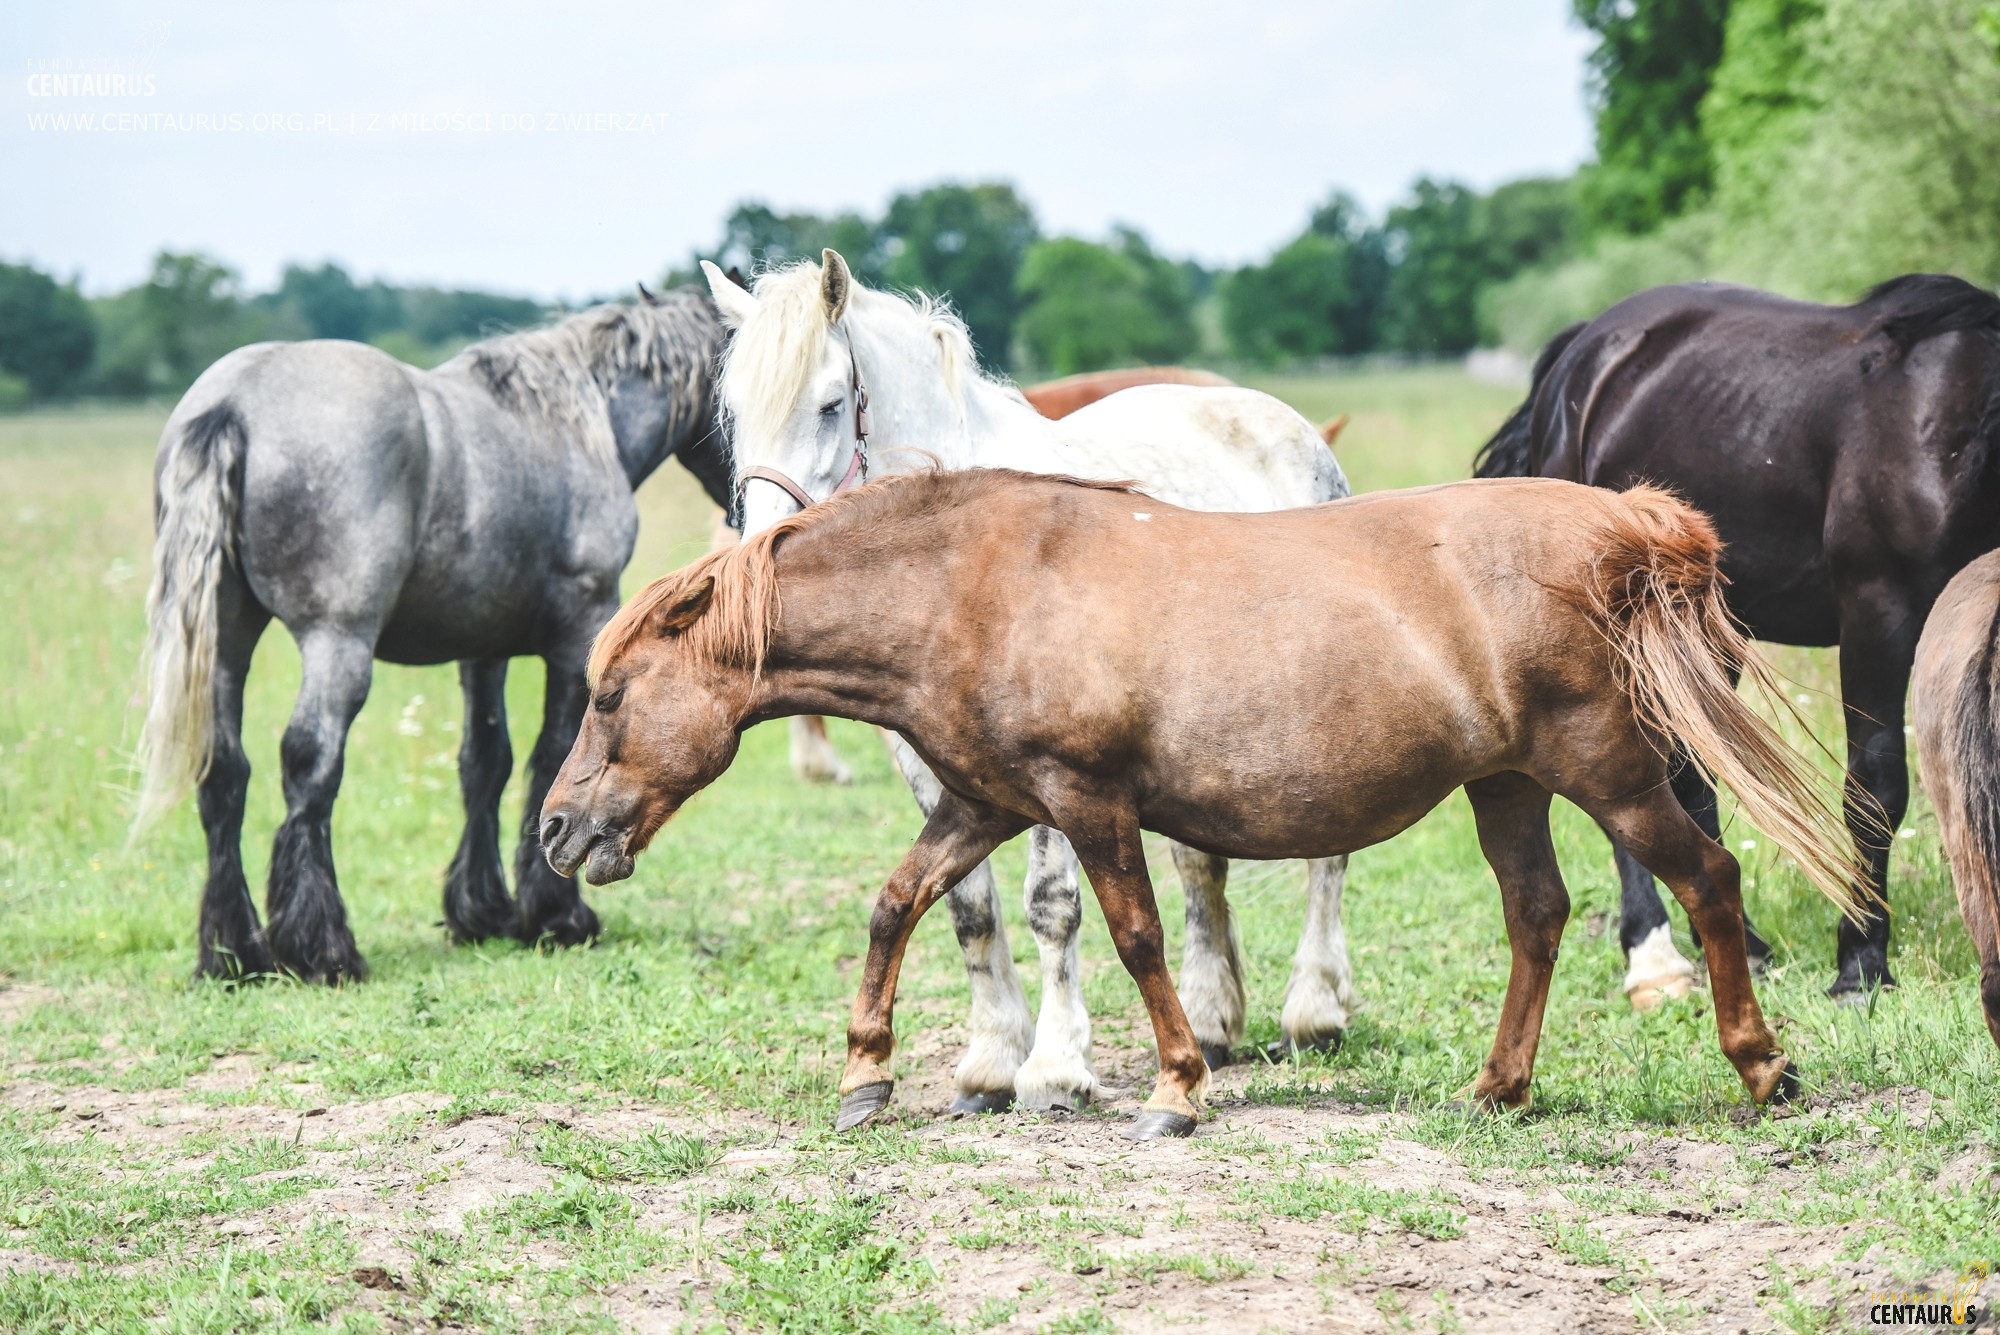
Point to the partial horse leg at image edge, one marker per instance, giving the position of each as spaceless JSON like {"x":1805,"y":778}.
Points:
{"x":1001,"y":1031}
{"x":956,"y":838}
{"x":477,"y":905}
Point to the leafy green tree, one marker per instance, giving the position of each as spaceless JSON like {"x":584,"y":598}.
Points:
{"x":1091,"y":306}
{"x":47,"y":337}
{"x":966,"y":242}
{"x":1648,"y":75}
{"x":1441,"y":265}
{"x":756,"y":237}
{"x":328,"y":301}
{"x":190,"y":306}
{"x":1528,"y":223}
{"x":437,"y":316}
{"x":1320,"y":295}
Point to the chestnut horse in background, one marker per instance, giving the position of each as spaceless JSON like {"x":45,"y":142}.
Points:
{"x":1954,"y":692}
{"x":1292,"y":684}
{"x":1059,"y":398}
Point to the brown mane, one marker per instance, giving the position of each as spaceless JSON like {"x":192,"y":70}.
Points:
{"x":736,"y":626}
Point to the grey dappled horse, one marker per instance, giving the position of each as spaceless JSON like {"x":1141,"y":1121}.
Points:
{"x":475,"y":512}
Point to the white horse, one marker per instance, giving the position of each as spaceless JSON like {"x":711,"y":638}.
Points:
{"x":823,"y":380}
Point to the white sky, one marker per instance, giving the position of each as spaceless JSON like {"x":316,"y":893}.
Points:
{"x":1213,"y":128}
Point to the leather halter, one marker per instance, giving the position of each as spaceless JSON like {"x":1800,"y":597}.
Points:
{"x":857,"y":465}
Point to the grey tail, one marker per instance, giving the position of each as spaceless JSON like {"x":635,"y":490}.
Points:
{"x":196,"y":505}
{"x":1511,"y":451}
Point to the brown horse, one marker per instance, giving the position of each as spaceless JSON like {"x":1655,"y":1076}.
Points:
{"x":1294,"y":684}
{"x":1060,"y":398}
{"x":1952,"y":704}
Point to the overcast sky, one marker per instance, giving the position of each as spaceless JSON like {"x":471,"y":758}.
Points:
{"x":395,"y":137}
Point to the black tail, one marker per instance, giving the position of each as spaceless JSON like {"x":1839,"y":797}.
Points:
{"x":1511,"y":451}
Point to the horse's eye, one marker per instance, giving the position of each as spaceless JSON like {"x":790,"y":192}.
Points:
{"x":831,"y":408}
{"x":608,"y":701}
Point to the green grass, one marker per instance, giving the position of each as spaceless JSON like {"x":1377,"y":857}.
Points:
{"x":719,"y":997}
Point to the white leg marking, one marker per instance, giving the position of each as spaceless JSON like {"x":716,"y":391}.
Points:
{"x":1320,"y":998}
{"x":1059,"y":1069}
{"x":813,"y":756}
{"x":1655,"y":971}
{"x":999,"y":1029}
{"x":1211,"y":986}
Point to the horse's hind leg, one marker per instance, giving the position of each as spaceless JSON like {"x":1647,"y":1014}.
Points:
{"x":1319,"y":999}
{"x":1655,"y":970}
{"x":1705,"y":879}
{"x":999,"y":1029}
{"x":813,"y":756}
{"x":549,"y":907}
{"x":1512,"y":812}
{"x":308,"y":930}
{"x":476,"y":903}
{"x":1058,"y":1072}
{"x":232,"y":943}
{"x":1211,"y":982}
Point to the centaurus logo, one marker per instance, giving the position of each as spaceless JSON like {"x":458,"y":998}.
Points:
{"x":1956,"y":1306}
{"x":78,"y":79}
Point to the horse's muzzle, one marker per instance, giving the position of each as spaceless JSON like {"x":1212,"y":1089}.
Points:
{"x":569,"y":844}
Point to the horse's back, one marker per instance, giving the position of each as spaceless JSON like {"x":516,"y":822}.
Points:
{"x":1208,"y":447}
{"x":334,"y":463}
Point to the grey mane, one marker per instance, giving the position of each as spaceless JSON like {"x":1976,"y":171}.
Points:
{"x":566,"y":372}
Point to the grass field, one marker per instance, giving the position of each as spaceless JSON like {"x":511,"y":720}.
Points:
{"x":636,"y":1136}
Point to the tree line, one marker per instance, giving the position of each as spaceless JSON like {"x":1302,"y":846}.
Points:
{"x":1811,"y":146}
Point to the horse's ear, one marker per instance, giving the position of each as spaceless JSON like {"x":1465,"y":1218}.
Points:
{"x":835,"y":282}
{"x":735,"y":303}
{"x":646,"y":295}
{"x":683,"y":610}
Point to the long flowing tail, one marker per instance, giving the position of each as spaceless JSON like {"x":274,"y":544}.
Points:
{"x":195,"y":507}
{"x":1958,"y":731}
{"x":1656,"y":593}
{"x":1511,"y":452}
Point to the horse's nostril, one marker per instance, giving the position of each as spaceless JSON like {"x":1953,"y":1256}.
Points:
{"x":552,"y":829}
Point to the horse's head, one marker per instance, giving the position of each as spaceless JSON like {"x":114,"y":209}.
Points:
{"x":792,"y":388}
{"x":660,"y":727}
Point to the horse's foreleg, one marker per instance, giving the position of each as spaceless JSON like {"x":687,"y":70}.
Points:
{"x":231,"y":941}
{"x":1512,"y":814}
{"x":1116,"y":862}
{"x":476,"y":903}
{"x":549,"y":907}
{"x":1319,"y":999}
{"x":999,"y":1027}
{"x":1211,"y":987}
{"x":957,"y":836}
{"x":308,"y":931}
{"x":1877,"y":646}
{"x":813,"y":756}
{"x":1059,"y":1072}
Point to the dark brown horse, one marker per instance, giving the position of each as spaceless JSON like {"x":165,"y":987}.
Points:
{"x":1080,"y":656}
{"x":1955,"y":708}
{"x":1848,"y":457}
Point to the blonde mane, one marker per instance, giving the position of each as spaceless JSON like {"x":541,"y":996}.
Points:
{"x":565,"y":371}
{"x":776,"y":349}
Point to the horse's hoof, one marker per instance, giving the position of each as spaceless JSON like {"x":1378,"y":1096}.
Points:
{"x":1787,"y":1089}
{"x":1325,"y":1044}
{"x":984,"y":1101}
{"x":862,"y":1104}
{"x":1154,"y":1124}
{"x":1058,"y":1101}
{"x":577,"y":926}
{"x":1217,"y":1055}
{"x":1652,"y":995}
